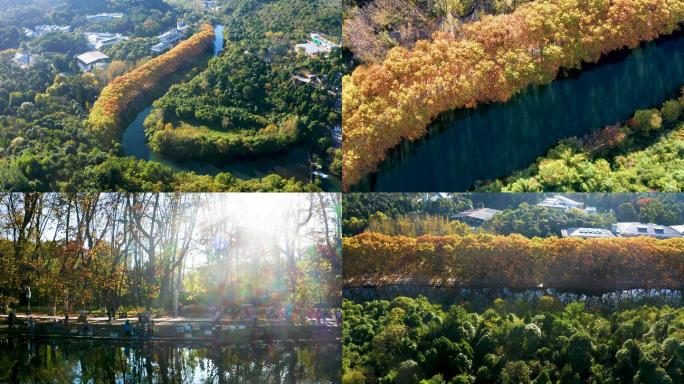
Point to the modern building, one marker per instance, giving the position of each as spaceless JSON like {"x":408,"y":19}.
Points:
{"x":23,"y":59}
{"x":564,"y":203}
{"x":634,"y":229}
{"x":91,"y":60}
{"x":48,"y":29}
{"x":182,"y":27}
{"x":476,"y":217}
{"x":678,"y":228}
{"x":307,"y":79}
{"x":316,"y":44}
{"x":105,"y":16}
{"x":169,"y":39}
{"x":99,"y":40}
{"x":586,"y":233}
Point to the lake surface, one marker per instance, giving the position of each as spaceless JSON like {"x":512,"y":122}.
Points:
{"x":62,"y":361}
{"x":492,"y":141}
{"x":293,"y":163}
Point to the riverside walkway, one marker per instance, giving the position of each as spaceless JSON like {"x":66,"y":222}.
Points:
{"x":174,"y":328}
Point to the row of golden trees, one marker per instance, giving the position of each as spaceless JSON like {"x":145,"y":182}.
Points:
{"x":485,"y":61}
{"x":105,"y":117}
{"x":514,"y":261}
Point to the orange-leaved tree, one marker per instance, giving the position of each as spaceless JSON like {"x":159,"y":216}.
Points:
{"x":489,"y":61}
{"x":115,"y":99}
{"x":514,"y":261}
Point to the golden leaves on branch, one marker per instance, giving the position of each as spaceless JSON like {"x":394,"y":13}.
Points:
{"x":493,"y":59}
{"x":105,"y":117}
{"x":514,"y":261}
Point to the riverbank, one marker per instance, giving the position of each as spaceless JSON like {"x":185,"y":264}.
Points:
{"x":633,"y":156}
{"x":175,"y":328}
{"x":135,"y":87}
{"x":395,"y":101}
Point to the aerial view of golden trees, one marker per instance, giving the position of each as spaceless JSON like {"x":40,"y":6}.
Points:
{"x":106,"y":115}
{"x":484,"y":61}
{"x":514,"y":261}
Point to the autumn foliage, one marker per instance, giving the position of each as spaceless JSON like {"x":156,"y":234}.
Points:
{"x":514,"y":261}
{"x":488,"y":61}
{"x":106,"y":116}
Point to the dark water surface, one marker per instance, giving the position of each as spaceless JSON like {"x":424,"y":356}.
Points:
{"x":61,"y":361}
{"x":492,"y":141}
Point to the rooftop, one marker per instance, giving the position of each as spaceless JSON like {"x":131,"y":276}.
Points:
{"x":484,"y":214}
{"x":586,"y":232}
{"x":91,"y":57}
{"x":628,"y":229}
{"x":98,"y":40}
{"x":312,"y":49}
{"x":161,"y":47}
{"x":559,"y":201}
{"x":22,"y":59}
{"x":678,"y":228}
{"x":43,"y":29}
{"x":169,"y":36}
{"x":104,"y":15}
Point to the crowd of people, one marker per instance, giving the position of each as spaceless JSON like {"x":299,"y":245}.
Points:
{"x":291,"y":314}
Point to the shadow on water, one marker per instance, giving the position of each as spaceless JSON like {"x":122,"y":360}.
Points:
{"x":291,"y":164}
{"x":492,"y":141}
{"x":41,"y":361}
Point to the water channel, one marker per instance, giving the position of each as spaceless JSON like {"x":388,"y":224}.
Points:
{"x":492,"y":141}
{"x":71,"y":361}
{"x":292,"y":164}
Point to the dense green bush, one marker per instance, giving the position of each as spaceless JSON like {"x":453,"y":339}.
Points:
{"x":645,"y":154}
{"x":413,"y":341}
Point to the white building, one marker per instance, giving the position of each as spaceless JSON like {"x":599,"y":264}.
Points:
{"x":168,"y":39}
{"x":316,"y":44}
{"x":307,"y":79}
{"x":634,"y":229}
{"x":105,"y":16}
{"x":47,"y":29}
{"x":99,"y":40}
{"x":23,"y":59}
{"x":678,"y":228}
{"x":586,"y":233}
{"x":564,"y":203}
{"x":91,"y":60}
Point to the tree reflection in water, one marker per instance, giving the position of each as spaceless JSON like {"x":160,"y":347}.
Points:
{"x":61,"y":361}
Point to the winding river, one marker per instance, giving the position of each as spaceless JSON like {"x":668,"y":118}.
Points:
{"x":492,"y":141}
{"x":292,"y":164}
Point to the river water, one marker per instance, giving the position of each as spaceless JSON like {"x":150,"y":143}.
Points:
{"x":61,"y":361}
{"x":291,"y":164}
{"x":492,"y":141}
